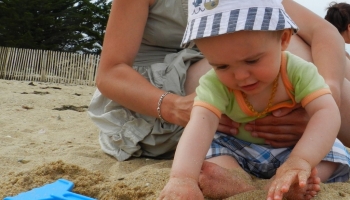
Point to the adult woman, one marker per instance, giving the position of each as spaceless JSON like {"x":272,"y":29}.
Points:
{"x":338,"y":14}
{"x":141,"y":60}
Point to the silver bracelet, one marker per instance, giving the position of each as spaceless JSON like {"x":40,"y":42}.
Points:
{"x":158,"y":107}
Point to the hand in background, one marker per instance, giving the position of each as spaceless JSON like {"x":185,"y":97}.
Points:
{"x":181,"y":111}
{"x":228,"y":126}
{"x":281,"y":129}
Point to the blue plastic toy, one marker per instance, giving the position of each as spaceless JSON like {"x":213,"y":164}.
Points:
{"x":59,"y":190}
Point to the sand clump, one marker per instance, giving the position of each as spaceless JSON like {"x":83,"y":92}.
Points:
{"x":88,"y":183}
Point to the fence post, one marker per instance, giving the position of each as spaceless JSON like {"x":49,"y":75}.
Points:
{"x":7,"y":61}
{"x":91,"y":72}
{"x":43,"y":67}
{"x":2,"y":54}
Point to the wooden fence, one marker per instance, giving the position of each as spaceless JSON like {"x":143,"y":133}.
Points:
{"x":48,"y":66}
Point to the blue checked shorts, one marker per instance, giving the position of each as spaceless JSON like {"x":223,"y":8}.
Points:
{"x":262,"y":161}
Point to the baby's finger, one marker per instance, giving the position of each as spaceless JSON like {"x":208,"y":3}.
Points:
{"x":303,"y":177}
{"x":282,"y":185}
{"x":271,"y":191}
{"x":278,"y":194}
{"x":274,"y":192}
{"x":285,"y":184}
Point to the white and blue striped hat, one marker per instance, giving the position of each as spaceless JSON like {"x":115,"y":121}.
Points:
{"x":207,"y":18}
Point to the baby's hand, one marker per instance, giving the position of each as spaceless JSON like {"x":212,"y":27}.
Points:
{"x":294,"y":170}
{"x":182,"y":189}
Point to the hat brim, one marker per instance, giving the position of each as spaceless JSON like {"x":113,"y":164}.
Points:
{"x":248,"y":19}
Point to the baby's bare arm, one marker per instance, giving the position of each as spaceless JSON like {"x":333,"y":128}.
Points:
{"x":190,"y":155}
{"x":313,"y":146}
{"x":320,"y":132}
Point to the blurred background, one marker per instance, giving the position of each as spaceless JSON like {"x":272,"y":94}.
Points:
{"x":319,"y":7}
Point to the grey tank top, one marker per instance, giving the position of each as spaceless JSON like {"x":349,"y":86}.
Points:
{"x":163,"y":32}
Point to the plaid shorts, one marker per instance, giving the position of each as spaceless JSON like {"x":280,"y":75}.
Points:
{"x":262,"y":161}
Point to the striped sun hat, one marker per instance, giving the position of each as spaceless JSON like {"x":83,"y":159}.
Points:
{"x":207,"y":18}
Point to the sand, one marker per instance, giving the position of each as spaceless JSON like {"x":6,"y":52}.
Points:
{"x":46,"y":134}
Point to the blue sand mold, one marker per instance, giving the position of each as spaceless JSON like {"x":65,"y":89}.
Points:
{"x":59,"y":190}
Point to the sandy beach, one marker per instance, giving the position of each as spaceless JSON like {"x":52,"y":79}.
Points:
{"x":46,"y":135}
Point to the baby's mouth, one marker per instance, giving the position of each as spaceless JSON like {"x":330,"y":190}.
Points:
{"x":250,"y":86}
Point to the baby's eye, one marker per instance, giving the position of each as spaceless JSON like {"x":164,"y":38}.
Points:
{"x":252,"y":61}
{"x":221,"y":67}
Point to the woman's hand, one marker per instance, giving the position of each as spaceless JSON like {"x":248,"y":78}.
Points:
{"x":281,"y":129}
{"x":181,"y":111}
{"x":226,"y":125}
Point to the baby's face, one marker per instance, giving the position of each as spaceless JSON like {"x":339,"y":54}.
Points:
{"x":246,"y":60}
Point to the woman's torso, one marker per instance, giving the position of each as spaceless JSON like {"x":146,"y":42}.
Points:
{"x":163,"y":32}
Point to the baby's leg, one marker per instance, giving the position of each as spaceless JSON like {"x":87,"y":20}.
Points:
{"x":326,"y":169}
{"x":222,"y":177}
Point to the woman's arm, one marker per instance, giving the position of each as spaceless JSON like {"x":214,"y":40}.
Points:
{"x":115,"y":77}
{"x":327,"y":45}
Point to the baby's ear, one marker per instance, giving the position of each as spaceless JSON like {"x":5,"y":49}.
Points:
{"x":285,"y":38}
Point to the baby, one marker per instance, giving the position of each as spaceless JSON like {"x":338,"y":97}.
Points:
{"x":252,"y":75}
